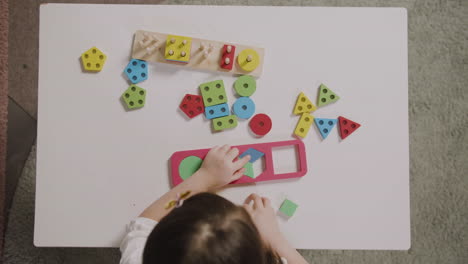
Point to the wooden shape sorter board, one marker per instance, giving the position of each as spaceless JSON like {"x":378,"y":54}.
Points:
{"x":100,"y":165}
{"x":205,"y":54}
{"x":268,"y":173}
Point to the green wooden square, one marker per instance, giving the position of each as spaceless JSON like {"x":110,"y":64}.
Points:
{"x":213,"y":93}
{"x":249,"y":170}
{"x":134,"y":97}
{"x":288,"y":207}
{"x":224,"y":122}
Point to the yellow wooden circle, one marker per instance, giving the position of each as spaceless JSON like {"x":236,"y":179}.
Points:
{"x":248,"y":65}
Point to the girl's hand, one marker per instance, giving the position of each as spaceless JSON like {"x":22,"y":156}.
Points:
{"x":219,"y":168}
{"x":264,"y":218}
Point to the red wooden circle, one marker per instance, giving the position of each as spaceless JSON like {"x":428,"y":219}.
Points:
{"x":260,"y":124}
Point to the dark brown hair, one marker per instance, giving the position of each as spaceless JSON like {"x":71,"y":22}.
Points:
{"x":207,"y":229}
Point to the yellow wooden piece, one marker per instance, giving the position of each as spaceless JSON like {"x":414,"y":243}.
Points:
{"x":93,"y":59}
{"x":303,"y":126}
{"x":248,"y":60}
{"x":303,"y":105}
{"x":178,"y":48}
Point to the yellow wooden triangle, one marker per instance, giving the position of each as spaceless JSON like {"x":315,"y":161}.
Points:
{"x":303,"y":105}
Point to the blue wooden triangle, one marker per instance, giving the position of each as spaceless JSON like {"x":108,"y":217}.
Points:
{"x":325,"y":125}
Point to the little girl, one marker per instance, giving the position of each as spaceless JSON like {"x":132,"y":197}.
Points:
{"x":190,"y":225}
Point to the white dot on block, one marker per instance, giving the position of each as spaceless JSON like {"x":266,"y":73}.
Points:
{"x":228,"y":49}
{"x":249,"y":58}
{"x":227,"y":61}
{"x":172,"y":40}
{"x":183,"y":54}
{"x":171,"y":52}
{"x":184,"y":42}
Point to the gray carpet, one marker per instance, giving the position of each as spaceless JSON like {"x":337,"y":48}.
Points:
{"x":438,"y":92}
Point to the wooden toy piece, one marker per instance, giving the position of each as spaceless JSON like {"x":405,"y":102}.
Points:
{"x":178,"y":48}
{"x":206,"y":55}
{"x":347,"y":127}
{"x":249,"y":171}
{"x":189,"y":166}
{"x":245,"y":85}
{"x":227,"y":57}
{"x":248,"y":60}
{"x":325,"y":125}
{"x":244,"y":107}
{"x":192,"y":105}
{"x":213,"y":93}
{"x":260,"y":124}
{"x":216,"y":111}
{"x":136,"y":71}
{"x":303,"y":125}
{"x":288,"y":207}
{"x":134,"y":97}
{"x":267,"y":174}
{"x":254,"y":154}
{"x":303,"y":105}
{"x":326,"y":96}
{"x":225,"y":122}
{"x":93,"y":60}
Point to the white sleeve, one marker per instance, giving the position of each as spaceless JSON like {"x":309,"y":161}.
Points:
{"x":133,"y":244}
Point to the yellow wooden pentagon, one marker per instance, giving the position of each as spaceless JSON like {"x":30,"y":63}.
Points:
{"x":93,"y":59}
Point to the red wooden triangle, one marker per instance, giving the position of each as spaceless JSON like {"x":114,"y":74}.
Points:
{"x":347,"y":127}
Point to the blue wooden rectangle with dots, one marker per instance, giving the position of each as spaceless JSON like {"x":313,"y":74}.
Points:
{"x":216,"y":111}
{"x":254,"y":154}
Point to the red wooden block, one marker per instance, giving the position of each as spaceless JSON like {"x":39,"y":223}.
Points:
{"x":347,"y":127}
{"x":260,"y":124}
{"x":227,"y":57}
{"x":192,"y":105}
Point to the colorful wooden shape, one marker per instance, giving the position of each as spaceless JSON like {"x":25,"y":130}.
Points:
{"x":249,"y":171}
{"x":245,"y":85}
{"x":216,"y":111}
{"x":325,"y":125}
{"x":260,"y":124}
{"x":288,"y":207}
{"x":227,"y":57}
{"x":248,"y":60}
{"x":226,"y":122}
{"x":189,"y":166}
{"x":254,"y":154}
{"x":134,"y":97}
{"x":93,"y":59}
{"x":266,"y":148}
{"x":192,"y":105}
{"x":178,"y":48}
{"x":213,"y":93}
{"x":303,"y":125}
{"x":347,"y":127}
{"x":244,"y":107}
{"x":136,"y":70}
{"x":326,"y":96}
{"x":303,"y":105}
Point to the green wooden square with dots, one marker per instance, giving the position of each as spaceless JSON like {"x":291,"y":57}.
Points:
{"x":213,"y":93}
{"x":249,"y":171}
{"x":224,"y":122}
{"x":288,"y":207}
{"x":134,"y":97}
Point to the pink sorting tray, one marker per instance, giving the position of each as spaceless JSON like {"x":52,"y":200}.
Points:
{"x":267,"y":175}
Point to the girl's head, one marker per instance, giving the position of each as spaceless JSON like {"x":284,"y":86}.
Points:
{"x":207,"y":229}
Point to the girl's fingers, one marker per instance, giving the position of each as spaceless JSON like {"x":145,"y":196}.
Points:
{"x":238,"y":174}
{"x":232,"y":154}
{"x":249,"y":198}
{"x":224,"y":149}
{"x":240,"y":163}
{"x":248,"y":208}
{"x":257,"y":202}
{"x":266,"y":202}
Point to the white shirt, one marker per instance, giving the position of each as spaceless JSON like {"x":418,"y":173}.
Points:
{"x":133,"y":244}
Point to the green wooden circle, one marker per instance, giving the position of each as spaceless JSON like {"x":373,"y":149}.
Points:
{"x":189,"y":166}
{"x":245,"y":85}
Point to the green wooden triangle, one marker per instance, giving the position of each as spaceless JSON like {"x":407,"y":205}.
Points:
{"x":326,"y":96}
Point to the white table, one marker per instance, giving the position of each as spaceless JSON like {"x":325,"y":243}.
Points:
{"x":99,"y":166}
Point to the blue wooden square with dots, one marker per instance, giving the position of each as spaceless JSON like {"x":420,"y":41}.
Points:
{"x":325,"y":125}
{"x":137,"y":71}
{"x":216,"y":111}
{"x":254,"y":154}
{"x":244,"y":107}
